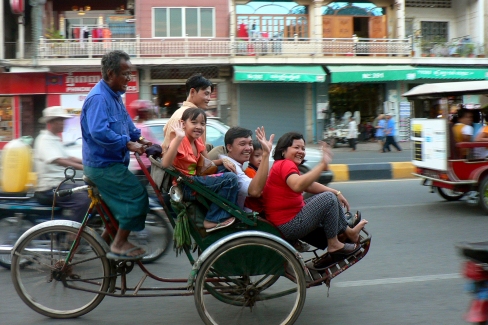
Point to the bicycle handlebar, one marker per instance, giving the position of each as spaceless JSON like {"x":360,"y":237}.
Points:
{"x":63,"y":193}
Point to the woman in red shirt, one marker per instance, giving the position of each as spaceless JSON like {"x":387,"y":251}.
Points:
{"x":295,"y":217}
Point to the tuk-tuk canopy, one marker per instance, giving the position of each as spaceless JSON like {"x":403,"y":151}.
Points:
{"x":437,"y":90}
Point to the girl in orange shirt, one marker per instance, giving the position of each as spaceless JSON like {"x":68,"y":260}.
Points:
{"x":184,"y":152}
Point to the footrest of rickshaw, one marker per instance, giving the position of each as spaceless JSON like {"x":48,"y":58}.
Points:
{"x":323,"y":268}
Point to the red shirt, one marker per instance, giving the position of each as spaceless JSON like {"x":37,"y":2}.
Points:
{"x":281,"y":203}
{"x":185,"y":161}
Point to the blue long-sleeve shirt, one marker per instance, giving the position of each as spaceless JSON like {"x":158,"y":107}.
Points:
{"x":106,"y":127}
{"x":391,"y":127}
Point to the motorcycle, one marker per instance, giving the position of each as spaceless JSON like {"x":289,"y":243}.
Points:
{"x":336,"y":135}
{"x":21,"y":213}
{"x":476,"y":271}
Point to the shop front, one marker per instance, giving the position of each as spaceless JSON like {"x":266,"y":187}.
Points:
{"x":377,"y":89}
{"x":23,"y":96}
{"x":280,"y":98}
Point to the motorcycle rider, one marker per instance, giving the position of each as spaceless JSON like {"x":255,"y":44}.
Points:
{"x":51,"y":159}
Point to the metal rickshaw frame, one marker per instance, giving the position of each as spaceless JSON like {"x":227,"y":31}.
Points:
{"x":237,"y":239}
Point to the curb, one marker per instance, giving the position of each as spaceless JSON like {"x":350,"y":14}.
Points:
{"x":361,"y":172}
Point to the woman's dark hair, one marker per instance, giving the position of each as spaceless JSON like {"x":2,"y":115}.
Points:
{"x":197,"y":82}
{"x":192,"y":114}
{"x":284,"y":143}
{"x":461,"y":112}
{"x":111,"y":61}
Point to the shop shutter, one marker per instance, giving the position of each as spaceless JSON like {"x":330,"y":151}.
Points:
{"x":279,"y":107}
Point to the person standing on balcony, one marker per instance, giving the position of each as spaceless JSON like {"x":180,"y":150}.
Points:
{"x":198,"y":90}
{"x":109,"y":135}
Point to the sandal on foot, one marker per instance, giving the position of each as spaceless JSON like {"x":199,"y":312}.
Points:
{"x":345,"y":251}
{"x":221,"y":225}
{"x":353,"y":220}
{"x":301,"y":246}
{"x":125,"y":255}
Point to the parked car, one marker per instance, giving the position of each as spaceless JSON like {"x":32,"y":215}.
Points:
{"x":215,"y":136}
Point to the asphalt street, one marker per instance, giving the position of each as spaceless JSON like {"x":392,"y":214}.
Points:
{"x":410,"y":276}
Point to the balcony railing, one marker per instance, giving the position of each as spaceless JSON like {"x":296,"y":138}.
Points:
{"x":183,"y":48}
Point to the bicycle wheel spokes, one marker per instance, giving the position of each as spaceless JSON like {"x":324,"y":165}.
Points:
{"x":254,"y":289}
{"x":11,"y":228}
{"x":42,"y":283}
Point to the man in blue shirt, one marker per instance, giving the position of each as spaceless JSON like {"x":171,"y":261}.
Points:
{"x":390,"y":133}
{"x":109,"y":135}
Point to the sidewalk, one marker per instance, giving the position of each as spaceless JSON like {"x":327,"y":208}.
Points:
{"x":368,"y":163}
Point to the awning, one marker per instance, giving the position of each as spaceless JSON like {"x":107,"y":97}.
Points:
{"x":448,"y":89}
{"x":361,"y":73}
{"x":277,"y":73}
{"x":364,"y":73}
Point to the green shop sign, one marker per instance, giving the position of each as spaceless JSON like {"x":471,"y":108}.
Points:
{"x":279,"y":73}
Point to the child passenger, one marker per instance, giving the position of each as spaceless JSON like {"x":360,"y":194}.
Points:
{"x":255,"y":159}
{"x":184,"y":152}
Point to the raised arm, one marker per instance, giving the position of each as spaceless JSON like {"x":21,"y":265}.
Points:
{"x":170,"y":155}
{"x":257,"y":184}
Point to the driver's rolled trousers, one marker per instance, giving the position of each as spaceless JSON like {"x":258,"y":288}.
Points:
{"x":74,"y":205}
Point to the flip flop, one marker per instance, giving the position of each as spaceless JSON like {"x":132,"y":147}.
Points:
{"x":345,"y":251}
{"x":221,"y":225}
{"x":123,"y":256}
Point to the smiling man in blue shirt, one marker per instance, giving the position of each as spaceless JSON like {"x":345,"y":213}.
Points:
{"x":109,"y":135}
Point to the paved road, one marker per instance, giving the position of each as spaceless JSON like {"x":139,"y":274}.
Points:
{"x":409,"y":277}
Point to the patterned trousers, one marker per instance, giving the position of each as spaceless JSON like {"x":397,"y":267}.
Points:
{"x":321,"y":210}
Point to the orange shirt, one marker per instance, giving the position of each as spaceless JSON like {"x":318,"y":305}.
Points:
{"x":185,"y":161}
{"x":251,"y":172}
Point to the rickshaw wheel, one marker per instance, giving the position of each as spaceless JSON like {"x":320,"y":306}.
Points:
{"x":450,"y":195}
{"x":42,"y":284}
{"x":483,"y":190}
{"x":250,"y":281}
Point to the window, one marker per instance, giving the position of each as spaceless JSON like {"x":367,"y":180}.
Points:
{"x":183,"y":22}
{"x":434,"y":31}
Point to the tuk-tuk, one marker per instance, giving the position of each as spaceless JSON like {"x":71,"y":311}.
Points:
{"x":436,"y":153}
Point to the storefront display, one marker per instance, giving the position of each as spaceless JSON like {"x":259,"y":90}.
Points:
{"x":6,"y":118}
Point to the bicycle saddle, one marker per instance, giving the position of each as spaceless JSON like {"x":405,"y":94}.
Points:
{"x":88,"y":181}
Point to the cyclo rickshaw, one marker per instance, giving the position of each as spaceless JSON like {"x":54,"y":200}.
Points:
{"x":246,"y":273}
{"x":435,"y":151}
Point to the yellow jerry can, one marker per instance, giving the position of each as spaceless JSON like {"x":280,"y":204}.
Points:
{"x":16,"y":166}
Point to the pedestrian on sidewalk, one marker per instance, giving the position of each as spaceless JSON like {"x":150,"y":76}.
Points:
{"x":390,"y":133}
{"x":352,"y":134}
{"x":380,"y":130}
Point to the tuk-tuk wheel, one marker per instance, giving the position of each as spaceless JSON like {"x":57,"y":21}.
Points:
{"x":450,"y":195}
{"x":483,"y":198}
